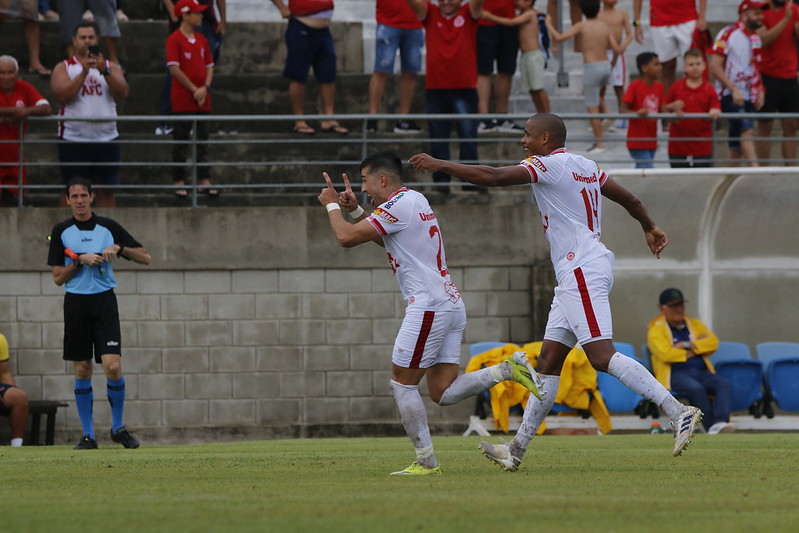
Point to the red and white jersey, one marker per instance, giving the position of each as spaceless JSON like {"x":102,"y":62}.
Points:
{"x":566,"y":188}
{"x":741,"y":50}
{"x":415,"y":250}
{"x":94,"y":99}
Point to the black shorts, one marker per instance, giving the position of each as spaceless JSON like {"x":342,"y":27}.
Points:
{"x":500,"y":43}
{"x":91,"y":326}
{"x":782,"y":95}
{"x":3,"y":388}
{"x":108,"y":154}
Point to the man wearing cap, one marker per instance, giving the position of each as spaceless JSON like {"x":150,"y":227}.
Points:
{"x":778,"y":65}
{"x":681,"y":347}
{"x":734,"y":57}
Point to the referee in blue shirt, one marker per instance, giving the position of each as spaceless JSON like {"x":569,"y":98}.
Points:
{"x":82,"y":250}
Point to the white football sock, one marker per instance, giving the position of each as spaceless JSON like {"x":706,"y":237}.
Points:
{"x":414,"y":419}
{"x":16,"y":442}
{"x":471,"y":384}
{"x":534,"y":413}
{"x":637,"y":378}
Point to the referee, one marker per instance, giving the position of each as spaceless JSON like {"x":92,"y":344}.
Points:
{"x":81,"y":252}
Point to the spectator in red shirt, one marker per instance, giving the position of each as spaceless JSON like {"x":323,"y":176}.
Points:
{"x":778,"y":65}
{"x":692,"y":94}
{"x":644,"y":96}
{"x":398,"y":29}
{"x":673,"y":23}
{"x":451,"y":81}
{"x":18,"y":100}
{"x":191,"y":66}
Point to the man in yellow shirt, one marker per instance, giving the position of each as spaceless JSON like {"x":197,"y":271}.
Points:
{"x":681,"y":347}
{"x":12,"y":398}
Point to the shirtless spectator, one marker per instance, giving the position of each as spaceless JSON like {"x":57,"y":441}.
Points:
{"x":598,"y":41}
{"x":619,"y":23}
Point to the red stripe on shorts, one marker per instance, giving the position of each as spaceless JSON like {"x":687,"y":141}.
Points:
{"x":593,"y":327}
{"x":421,"y":341}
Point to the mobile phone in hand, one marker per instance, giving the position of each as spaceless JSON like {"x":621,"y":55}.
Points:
{"x":94,"y":50}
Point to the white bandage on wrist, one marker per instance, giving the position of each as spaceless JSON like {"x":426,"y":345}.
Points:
{"x":358,"y":212}
{"x":332,"y":207}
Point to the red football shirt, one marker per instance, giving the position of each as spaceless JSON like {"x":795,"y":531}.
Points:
{"x":451,"y":49}
{"x":193,"y":58}
{"x":639,"y":95}
{"x":397,"y":14}
{"x":697,"y":100}
{"x":501,"y":8}
{"x":779,"y":59}
{"x":23,"y":95}
{"x":672,"y":12}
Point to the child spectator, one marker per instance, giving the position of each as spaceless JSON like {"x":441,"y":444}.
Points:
{"x":597,"y":40}
{"x":191,"y":65}
{"x":733,"y":63}
{"x":692,"y":94}
{"x":619,"y":23}
{"x":533,"y":60}
{"x":644,"y":96}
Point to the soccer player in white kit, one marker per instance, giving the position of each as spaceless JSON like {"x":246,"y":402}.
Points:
{"x":568,"y":189}
{"x":429,"y":340}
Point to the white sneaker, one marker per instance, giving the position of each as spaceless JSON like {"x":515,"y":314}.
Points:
{"x":684,"y":428}
{"x":500,"y":454}
{"x":721,"y":427}
{"x":486,"y":126}
{"x":88,"y":16}
{"x":121,"y":16}
{"x":594,"y":150}
{"x":508,"y":126}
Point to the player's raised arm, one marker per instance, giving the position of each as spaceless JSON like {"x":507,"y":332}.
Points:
{"x":482,"y":175}
{"x":656,"y":238}
{"x":348,"y":235}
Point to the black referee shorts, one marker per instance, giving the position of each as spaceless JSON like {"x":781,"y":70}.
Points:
{"x":91,"y":326}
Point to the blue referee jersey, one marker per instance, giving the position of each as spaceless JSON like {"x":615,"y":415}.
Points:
{"x":89,"y":237}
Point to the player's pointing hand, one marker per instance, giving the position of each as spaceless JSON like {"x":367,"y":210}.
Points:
{"x":328,"y":194}
{"x":347,"y":198}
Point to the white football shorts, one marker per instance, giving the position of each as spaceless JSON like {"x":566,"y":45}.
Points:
{"x":580,"y":310}
{"x":671,"y":42}
{"x":427,"y":338}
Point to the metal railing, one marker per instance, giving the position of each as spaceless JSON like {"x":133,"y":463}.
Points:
{"x":259,"y":132}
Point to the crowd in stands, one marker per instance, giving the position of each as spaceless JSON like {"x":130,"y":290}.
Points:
{"x":472,"y":51}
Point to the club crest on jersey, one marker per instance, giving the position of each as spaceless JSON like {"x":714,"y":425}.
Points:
{"x":452,"y":291}
{"x":537,"y":163}
{"x":385,"y":216}
{"x":570,"y":256}
{"x":459,"y":21}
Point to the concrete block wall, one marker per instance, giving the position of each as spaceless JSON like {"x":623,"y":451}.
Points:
{"x":226,"y":346}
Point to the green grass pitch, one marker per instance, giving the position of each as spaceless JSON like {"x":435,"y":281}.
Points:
{"x":729,"y":482}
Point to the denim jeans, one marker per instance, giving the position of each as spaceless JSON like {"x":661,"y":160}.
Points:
{"x":643,"y":158}
{"x":452,"y":101}
{"x":697,"y":383}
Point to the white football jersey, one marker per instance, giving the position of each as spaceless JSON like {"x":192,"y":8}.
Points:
{"x":566,"y":188}
{"x":94,"y":99}
{"x":415,"y":250}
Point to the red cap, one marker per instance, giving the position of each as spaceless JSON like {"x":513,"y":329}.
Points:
{"x":191,"y":6}
{"x":746,"y":4}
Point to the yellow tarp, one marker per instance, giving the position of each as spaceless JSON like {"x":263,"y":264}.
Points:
{"x":578,"y":385}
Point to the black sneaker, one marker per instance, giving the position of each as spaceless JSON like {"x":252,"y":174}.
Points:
{"x":124,"y":437}
{"x":86,"y":443}
{"x":371,"y":126}
{"x":486,"y":126}
{"x":407,"y":126}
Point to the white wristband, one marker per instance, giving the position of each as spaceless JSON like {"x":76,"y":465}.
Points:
{"x":357,"y":213}
{"x":332,"y":207}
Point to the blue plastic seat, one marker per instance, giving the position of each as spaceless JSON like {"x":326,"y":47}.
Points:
{"x":617,"y":396}
{"x":746,"y":378}
{"x":625,"y":348}
{"x":783,"y":380}
{"x":731,"y":351}
{"x":480,"y":347}
{"x":769,"y":351}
